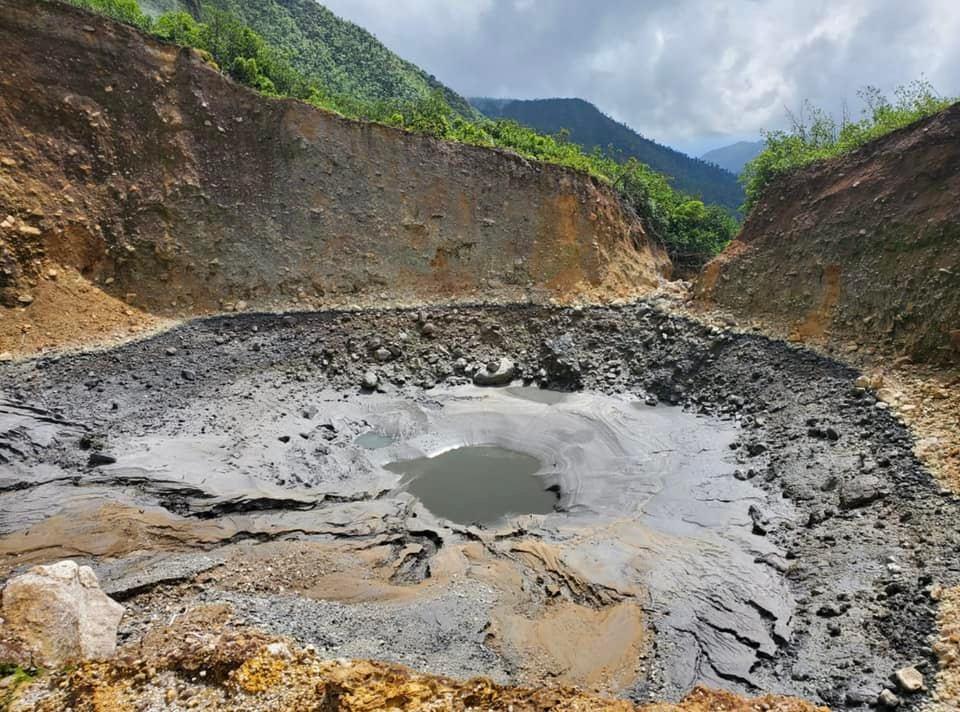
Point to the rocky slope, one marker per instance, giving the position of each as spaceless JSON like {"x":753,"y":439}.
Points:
{"x":136,"y":167}
{"x":864,"y":248}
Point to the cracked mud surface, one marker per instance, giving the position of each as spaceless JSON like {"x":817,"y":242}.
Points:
{"x":733,"y":510}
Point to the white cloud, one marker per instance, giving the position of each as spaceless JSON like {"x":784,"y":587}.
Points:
{"x":679,"y":71}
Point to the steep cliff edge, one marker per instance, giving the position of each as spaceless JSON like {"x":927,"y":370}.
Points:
{"x":862,"y":249}
{"x":134,"y":167}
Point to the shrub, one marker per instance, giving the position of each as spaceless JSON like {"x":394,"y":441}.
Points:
{"x":816,"y":135}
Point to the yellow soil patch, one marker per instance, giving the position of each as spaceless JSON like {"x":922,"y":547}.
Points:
{"x":68,"y":311}
{"x":200,"y":661}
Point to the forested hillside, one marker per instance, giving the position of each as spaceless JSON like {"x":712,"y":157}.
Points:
{"x":342,"y":57}
{"x":735,"y":156}
{"x":591,"y":128}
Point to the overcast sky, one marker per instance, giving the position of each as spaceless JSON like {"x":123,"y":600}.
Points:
{"x":695,"y":74}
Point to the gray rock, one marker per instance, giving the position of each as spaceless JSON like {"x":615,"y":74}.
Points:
{"x":98,"y":459}
{"x":496,"y":373}
{"x":888,"y":699}
{"x":859,"y":697}
{"x":860,"y":492}
{"x":561,"y":362}
{"x":759,"y":521}
{"x":370,"y":381}
{"x":383,"y":354}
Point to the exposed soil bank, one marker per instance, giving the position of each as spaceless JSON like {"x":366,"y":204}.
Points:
{"x":861,"y":250}
{"x":828,"y":531}
{"x":177,"y":192}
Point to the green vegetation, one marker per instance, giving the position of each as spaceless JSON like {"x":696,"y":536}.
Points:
{"x":815,"y":135}
{"x":586,"y":125}
{"x":691,"y":231}
{"x":124,"y":10}
{"x":15,"y":676}
{"x":340,"y":56}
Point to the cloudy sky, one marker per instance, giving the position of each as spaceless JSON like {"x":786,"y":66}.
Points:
{"x":691,"y":73}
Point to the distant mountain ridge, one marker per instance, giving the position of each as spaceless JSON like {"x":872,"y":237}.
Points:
{"x":343,"y":57}
{"x":590,"y":127}
{"x":735,"y":156}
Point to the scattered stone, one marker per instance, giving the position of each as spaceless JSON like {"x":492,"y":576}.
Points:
{"x":170,"y":351}
{"x":829,"y":610}
{"x":25,"y":299}
{"x":858,"y":697}
{"x":284,"y":439}
{"x":188,"y":375}
{"x":496,"y":373}
{"x":860,"y":492}
{"x":99,"y":459}
{"x":370,"y":381}
{"x":309,"y":412}
{"x":428,"y":329}
{"x":383,"y":354}
{"x":561,"y":362}
{"x":61,"y":614}
{"x":887,"y":699}
{"x":5,"y":357}
{"x":909,"y":679}
{"x":759,"y":521}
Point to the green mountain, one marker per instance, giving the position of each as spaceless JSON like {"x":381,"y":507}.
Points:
{"x":591,"y":128}
{"x":735,"y":156}
{"x":341,"y":56}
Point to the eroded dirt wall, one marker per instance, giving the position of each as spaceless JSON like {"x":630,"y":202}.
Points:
{"x":177,"y":191}
{"x":862,"y":249}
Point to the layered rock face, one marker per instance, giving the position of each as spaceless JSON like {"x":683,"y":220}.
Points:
{"x":862,"y":248}
{"x":178,"y":191}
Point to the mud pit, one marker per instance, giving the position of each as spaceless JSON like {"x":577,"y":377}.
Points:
{"x":727,"y":510}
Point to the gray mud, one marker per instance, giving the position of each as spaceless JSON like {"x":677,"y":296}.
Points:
{"x":768,"y":515}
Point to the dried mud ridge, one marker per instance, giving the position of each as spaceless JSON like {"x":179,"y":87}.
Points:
{"x":214,"y":464}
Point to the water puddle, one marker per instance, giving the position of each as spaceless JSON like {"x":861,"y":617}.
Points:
{"x":479,"y":484}
{"x":374,"y":440}
{"x":538,"y":395}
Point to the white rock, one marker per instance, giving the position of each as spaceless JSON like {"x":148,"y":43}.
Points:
{"x":279,"y":650}
{"x":60,"y":612}
{"x":909,"y":679}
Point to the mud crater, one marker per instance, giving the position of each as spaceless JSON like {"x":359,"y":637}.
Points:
{"x":766,"y":516}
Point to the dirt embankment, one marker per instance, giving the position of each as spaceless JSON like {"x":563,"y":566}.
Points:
{"x":135,"y":170}
{"x":862,"y":250}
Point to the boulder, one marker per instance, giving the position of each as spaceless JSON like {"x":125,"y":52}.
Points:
{"x":498,"y":373}
{"x":61,"y":614}
{"x":861,"y":491}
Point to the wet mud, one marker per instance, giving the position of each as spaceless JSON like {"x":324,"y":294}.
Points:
{"x":716,"y":509}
